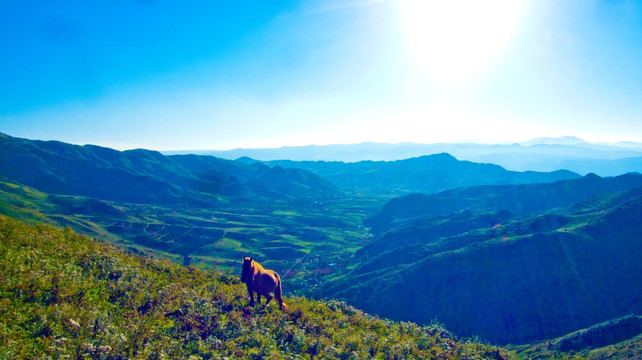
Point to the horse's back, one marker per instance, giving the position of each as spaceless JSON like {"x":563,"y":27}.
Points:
{"x":268,"y":280}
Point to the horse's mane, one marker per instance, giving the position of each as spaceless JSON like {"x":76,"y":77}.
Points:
{"x":257,"y":266}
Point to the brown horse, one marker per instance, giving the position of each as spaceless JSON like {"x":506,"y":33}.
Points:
{"x":262,"y":281}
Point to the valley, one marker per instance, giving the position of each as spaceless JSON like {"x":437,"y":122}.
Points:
{"x":511,"y":257}
{"x":506,"y":278}
{"x":299,"y":239}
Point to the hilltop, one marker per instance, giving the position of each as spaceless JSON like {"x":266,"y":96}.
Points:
{"x":64,"y":295}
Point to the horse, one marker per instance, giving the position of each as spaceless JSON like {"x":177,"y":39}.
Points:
{"x":262,"y":281}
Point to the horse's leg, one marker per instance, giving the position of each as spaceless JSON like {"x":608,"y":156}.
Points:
{"x":278,"y":294}
{"x":269,"y":298}
{"x":251,"y":292}
{"x":258,"y":297}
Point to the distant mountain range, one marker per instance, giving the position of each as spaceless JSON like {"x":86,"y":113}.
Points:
{"x":542,"y":154}
{"x":512,"y":264}
{"x":144,"y":176}
{"x":424,"y":174}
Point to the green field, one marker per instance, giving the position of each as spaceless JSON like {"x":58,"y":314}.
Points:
{"x":298,"y":239}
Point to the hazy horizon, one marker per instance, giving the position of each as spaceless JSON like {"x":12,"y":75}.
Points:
{"x":546,"y":140}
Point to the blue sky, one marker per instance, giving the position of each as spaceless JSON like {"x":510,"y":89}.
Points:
{"x":171,"y":75}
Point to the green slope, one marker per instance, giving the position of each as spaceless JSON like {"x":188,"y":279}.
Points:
{"x":63,"y":295}
{"x":614,"y":339}
{"x":148,"y":177}
{"x":523,"y":199}
{"x":512,"y":280}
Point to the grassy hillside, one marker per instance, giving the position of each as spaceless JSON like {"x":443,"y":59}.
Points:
{"x":148,"y":177}
{"x":506,"y":279}
{"x":63,"y":295}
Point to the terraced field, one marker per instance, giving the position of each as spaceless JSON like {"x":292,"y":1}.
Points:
{"x":306,"y":241}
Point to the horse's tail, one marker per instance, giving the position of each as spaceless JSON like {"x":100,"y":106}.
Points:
{"x":278,"y":292}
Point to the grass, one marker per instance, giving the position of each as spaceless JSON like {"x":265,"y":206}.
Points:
{"x":64,"y":295}
{"x":22,"y":202}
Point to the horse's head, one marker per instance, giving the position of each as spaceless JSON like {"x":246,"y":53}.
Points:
{"x":248,"y":265}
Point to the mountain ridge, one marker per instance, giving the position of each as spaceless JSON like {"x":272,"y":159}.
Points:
{"x":423,"y":174}
{"x":146,"y":176}
{"x":520,"y":199}
{"x":506,"y":277}
{"x":543,"y":154}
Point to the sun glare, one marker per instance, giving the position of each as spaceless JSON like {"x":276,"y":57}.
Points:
{"x":454,"y":41}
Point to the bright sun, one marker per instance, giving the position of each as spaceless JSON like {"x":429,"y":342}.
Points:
{"x":453,"y":41}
